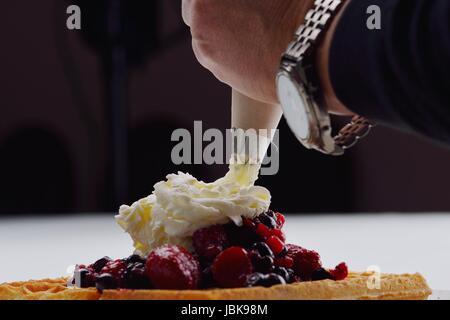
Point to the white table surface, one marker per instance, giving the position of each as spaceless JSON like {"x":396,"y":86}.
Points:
{"x":33,"y":248}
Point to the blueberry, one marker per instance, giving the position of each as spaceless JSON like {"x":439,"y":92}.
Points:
{"x":99,"y":264}
{"x":273,"y":279}
{"x":136,"y":278}
{"x":263,"y":280}
{"x":262,"y":264}
{"x":268,"y":221}
{"x":135,"y":258}
{"x":320,"y":274}
{"x":105,"y":281}
{"x":283,"y":252}
{"x":271,"y":214}
{"x":282,"y":272}
{"x":263,"y":249}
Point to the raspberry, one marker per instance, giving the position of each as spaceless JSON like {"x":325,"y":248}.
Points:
{"x":172,"y":267}
{"x":280,"y":220}
{"x":292,"y":249}
{"x":305,"y":262}
{"x":263,"y":231}
{"x":209,"y":242}
{"x":285,"y":261}
{"x":275,"y":244}
{"x":340,"y":272}
{"x":231,"y":267}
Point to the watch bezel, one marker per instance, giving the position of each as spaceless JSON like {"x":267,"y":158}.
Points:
{"x":320,"y":130}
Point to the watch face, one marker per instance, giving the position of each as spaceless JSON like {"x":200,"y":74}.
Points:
{"x":294,"y":107}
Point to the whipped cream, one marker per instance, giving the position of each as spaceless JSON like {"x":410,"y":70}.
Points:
{"x":182,"y":204}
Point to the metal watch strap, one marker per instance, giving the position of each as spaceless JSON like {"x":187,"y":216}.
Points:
{"x":307,"y":35}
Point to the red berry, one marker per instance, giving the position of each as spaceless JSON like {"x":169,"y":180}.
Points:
{"x":209,"y":242}
{"x":275,"y":244}
{"x":115,"y":268}
{"x":305,"y":262}
{"x":172,"y":267}
{"x":340,"y":272}
{"x":263,"y":231}
{"x":285,"y":261}
{"x":292,"y":249}
{"x":278,"y":233}
{"x":280,"y":219}
{"x":231,"y":267}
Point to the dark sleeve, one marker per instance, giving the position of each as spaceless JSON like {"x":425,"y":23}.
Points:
{"x":400,"y":75}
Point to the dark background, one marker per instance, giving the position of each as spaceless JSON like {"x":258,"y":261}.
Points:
{"x":58,"y":89}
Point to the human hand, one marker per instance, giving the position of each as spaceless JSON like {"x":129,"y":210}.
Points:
{"x":241,"y":42}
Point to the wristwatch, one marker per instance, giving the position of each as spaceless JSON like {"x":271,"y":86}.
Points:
{"x":299,"y":91}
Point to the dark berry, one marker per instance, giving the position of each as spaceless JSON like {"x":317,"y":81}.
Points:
{"x":172,"y":267}
{"x":320,"y":274}
{"x":135,"y":277}
{"x":105,"y":281}
{"x":340,"y":272}
{"x":99,"y":264}
{"x":268,"y":221}
{"x":209,"y":242}
{"x":135,"y":258}
{"x":271,"y":214}
{"x":231,"y":267}
{"x":241,"y":236}
{"x":285,"y":273}
{"x":262,"y":264}
{"x":264,"y":280}
{"x":275,"y":244}
{"x":263,"y":249}
{"x":305,"y":262}
{"x":207,"y":279}
{"x":83,"y":278}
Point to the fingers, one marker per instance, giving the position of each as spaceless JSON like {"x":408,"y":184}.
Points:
{"x":186,"y":11}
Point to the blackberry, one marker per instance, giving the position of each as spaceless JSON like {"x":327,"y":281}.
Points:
{"x":105,"y":281}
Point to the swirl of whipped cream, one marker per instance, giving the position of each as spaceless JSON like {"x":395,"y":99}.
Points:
{"x":182,"y":204}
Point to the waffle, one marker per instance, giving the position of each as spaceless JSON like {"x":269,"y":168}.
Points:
{"x":392,"y":287}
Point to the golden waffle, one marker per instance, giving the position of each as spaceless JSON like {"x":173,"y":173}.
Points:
{"x":392,"y":287}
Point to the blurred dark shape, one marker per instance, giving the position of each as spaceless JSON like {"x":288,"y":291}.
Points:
{"x":308,"y":181}
{"x":36,"y":173}
{"x":124,"y":33}
{"x":150,"y":154}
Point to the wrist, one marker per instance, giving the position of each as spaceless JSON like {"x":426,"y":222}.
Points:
{"x":330,"y":98}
